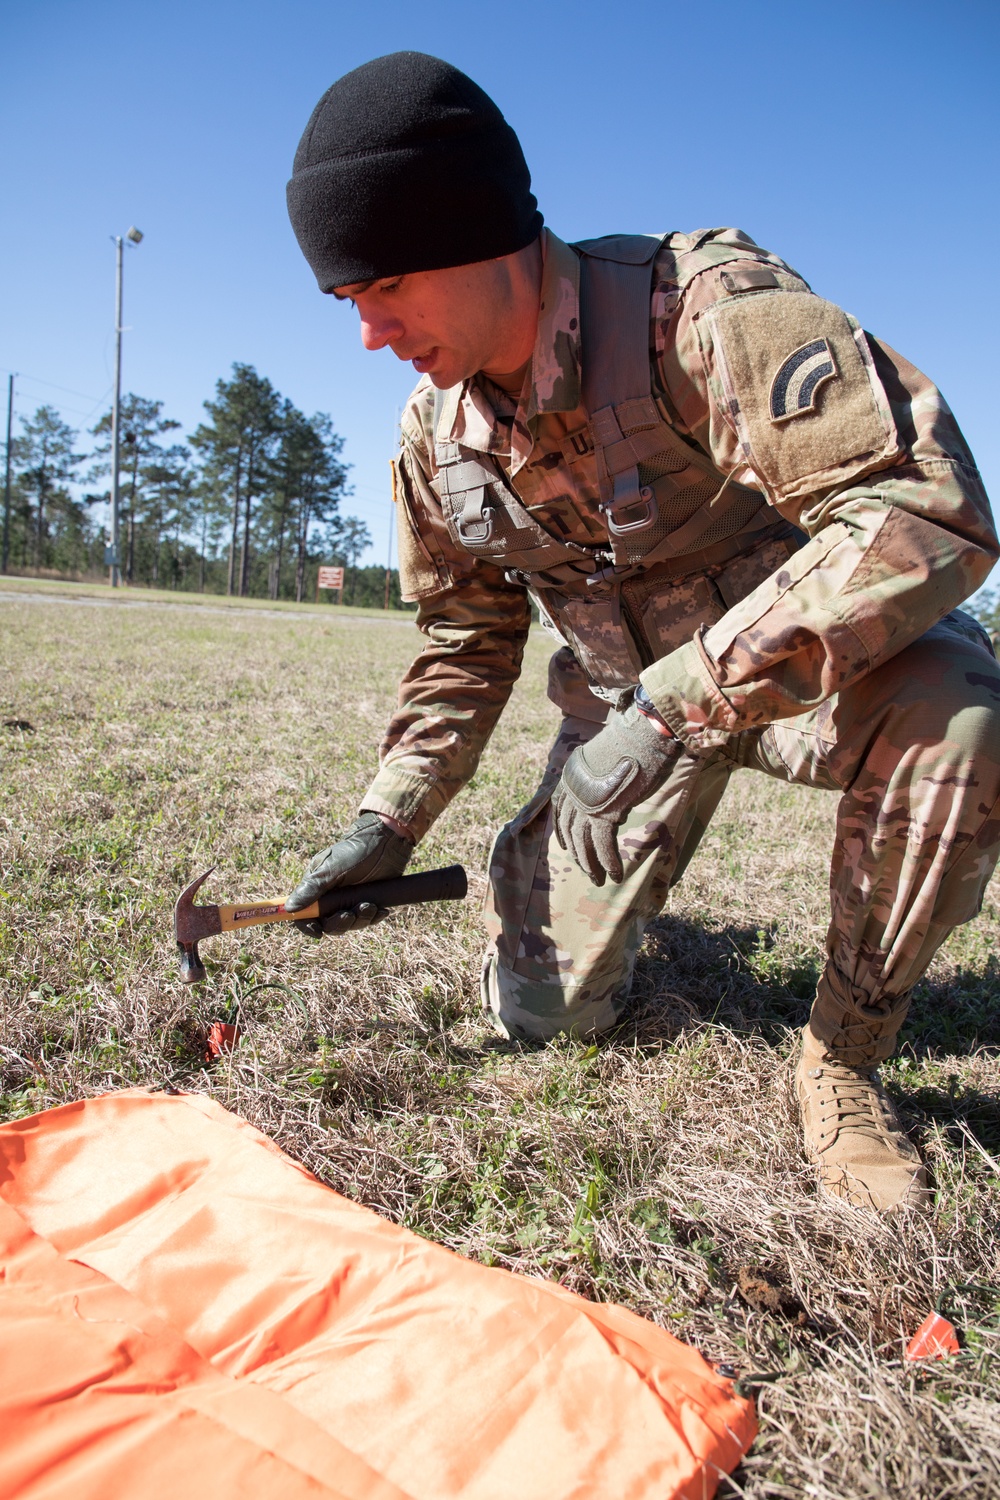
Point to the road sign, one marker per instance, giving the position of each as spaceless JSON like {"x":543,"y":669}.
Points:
{"x":330,"y":578}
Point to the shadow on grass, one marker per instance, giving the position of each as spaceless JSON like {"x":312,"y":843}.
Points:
{"x":740,"y":978}
{"x":732,"y":976}
{"x":956,"y":1016}
{"x":970,"y":1118}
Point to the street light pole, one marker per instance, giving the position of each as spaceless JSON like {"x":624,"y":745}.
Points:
{"x":116,"y":410}
{"x":134,"y":236}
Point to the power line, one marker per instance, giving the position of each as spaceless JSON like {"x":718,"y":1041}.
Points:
{"x":74,"y":411}
{"x":67,"y":389}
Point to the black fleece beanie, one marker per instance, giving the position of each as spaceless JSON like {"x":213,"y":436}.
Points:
{"x":406,"y":165}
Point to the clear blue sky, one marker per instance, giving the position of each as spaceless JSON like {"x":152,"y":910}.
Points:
{"x":858,"y":140}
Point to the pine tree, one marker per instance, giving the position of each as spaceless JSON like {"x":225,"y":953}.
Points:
{"x":321,"y":482}
{"x":260,"y":470}
{"x":53,"y":526}
{"x":141,"y":426}
{"x":351,"y":538}
{"x":170,"y":484}
{"x":236,"y":446}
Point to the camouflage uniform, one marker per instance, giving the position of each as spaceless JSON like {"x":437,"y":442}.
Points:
{"x":817,"y":642}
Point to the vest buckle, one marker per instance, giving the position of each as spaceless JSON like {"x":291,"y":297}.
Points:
{"x":479,"y":531}
{"x":630,"y":499}
{"x":608,"y":575}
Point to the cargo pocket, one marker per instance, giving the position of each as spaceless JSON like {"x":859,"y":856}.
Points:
{"x":600,"y":641}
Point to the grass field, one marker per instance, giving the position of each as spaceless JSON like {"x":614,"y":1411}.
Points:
{"x":661,"y":1168}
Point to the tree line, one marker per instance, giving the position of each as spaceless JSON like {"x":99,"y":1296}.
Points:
{"x":248,"y":505}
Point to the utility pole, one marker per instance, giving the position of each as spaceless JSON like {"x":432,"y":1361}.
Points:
{"x":134,"y":236}
{"x":6,"y":486}
{"x":392,"y":508}
{"x":388,"y":560}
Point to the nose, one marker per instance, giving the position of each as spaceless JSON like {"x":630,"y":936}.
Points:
{"x":379,"y":329}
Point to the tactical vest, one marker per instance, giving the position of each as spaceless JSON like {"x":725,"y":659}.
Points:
{"x":673,"y":522}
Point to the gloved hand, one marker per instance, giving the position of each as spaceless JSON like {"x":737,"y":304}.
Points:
{"x":602,"y":781}
{"x":369,"y":850}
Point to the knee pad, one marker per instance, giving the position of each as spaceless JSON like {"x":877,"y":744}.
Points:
{"x":526,"y":1010}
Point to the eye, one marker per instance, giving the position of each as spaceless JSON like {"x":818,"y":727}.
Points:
{"x":388,"y":287}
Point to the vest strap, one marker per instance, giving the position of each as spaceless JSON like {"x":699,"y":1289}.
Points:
{"x":645,"y":470}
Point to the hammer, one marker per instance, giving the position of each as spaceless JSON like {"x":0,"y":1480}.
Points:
{"x":192,"y":923}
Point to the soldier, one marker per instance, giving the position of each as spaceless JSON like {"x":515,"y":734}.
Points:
{"x":749,"y":524}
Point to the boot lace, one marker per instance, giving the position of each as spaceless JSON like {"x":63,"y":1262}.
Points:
{"x":859,"y":1033}
{"x":850,"y":1098}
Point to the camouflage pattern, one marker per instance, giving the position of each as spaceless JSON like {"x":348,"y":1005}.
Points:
{"x":753,"y":661}
{"x":914,"y":752}
{"x":562,"y":950}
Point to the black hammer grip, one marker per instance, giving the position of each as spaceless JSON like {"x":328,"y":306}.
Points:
{"x":449,"y":884}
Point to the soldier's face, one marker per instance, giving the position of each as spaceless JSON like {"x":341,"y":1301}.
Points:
{"x":449,"y":324}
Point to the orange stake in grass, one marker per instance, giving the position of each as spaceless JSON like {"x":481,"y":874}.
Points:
{"x":934,"y":1339}
{"x":222,"y":1037}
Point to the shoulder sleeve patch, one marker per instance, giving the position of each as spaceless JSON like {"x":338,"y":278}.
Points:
{"x":801,"y":388}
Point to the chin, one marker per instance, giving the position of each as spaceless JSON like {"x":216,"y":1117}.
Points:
{"x":447,"y":375}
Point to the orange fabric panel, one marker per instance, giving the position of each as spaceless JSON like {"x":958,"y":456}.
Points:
{"x":99,"y":1398}
{"x":270,"y":1319}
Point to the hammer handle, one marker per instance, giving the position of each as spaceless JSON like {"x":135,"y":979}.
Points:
{"x":449,"y":884}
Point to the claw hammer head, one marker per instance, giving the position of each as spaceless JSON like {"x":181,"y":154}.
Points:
{"x":191,"y":923}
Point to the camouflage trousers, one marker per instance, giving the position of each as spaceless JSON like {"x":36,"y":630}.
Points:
{"x":914,"y":751}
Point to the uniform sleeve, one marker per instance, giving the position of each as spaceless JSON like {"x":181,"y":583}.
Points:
{"x":855,"y":447}
{"x":476,"y":626}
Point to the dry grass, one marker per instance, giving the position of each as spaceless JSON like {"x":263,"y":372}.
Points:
{"x":661,"y":1169}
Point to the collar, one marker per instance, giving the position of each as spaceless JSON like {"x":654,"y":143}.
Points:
{"x":553,"y":380}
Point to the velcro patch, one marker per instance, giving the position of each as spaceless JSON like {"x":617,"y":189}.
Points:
{"x":801,"y":389}
{"x":418,"y":576}
{"x":749,"y":279}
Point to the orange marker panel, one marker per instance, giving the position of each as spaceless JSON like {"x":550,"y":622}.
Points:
{"x":185,"y":1310}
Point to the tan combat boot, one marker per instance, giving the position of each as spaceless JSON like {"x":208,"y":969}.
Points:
{"x":851,"y":1128}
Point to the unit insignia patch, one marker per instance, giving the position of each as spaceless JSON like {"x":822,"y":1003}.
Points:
{"x":794,"y":387}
